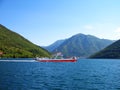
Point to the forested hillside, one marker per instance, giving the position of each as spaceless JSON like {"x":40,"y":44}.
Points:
{"x":112,"y":51}
{"x":13,"y":45}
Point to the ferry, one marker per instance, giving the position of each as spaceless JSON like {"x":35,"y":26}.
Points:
{"x":57,"y":57}
{"x":56,"y":60}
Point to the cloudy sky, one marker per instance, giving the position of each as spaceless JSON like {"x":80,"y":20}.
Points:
{"x":45,"y":21}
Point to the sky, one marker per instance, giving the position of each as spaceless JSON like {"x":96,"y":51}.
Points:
{"x":45,"y":21}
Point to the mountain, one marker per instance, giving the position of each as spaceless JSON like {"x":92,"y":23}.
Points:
{"x":82,"y":45}
{"x":13,"y":45}
{"x":53,"y":46}
{"x":112,"y":51}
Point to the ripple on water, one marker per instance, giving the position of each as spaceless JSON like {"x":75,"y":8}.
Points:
{"x":82,"y":75}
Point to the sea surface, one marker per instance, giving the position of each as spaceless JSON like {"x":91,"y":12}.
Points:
{"x":85,"y":74}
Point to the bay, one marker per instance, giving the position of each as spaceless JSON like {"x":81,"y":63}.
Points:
{"x":85,"y":74}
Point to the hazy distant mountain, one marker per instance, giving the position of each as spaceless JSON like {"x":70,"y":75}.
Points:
{"x":82,"y":45}
{"x":54,"y":45}
{"x":13,"y":45}
{"x":112,"y":51}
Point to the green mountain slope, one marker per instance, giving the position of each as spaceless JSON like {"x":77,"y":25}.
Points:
{"x":112,"y":51}
{"x":82,"y":45}
{"x":13,"y":45}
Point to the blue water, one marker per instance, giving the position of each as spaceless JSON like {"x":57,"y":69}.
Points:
{"x":85,"y":74}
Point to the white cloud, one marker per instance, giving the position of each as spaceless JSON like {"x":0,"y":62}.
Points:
{"x":88,"y":27}
{"x":117,"y":30}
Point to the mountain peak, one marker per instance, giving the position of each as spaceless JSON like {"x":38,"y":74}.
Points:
{"x":81,"y":45}
{"x":84,"y":35}
{"x":79,"y":34}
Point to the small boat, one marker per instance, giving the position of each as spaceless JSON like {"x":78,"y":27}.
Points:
{"x":56,"y":60}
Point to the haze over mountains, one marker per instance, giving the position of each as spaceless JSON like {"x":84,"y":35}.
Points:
{"x":79,"y":45}
{"x":13,"y":45}
{"x":54,"y":45}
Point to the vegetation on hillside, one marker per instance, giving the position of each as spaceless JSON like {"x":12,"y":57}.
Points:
{"x":112,"y":51}
{"x":13,"y":45}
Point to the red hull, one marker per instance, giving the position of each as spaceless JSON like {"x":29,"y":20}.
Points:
{"x":58,"y":60}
